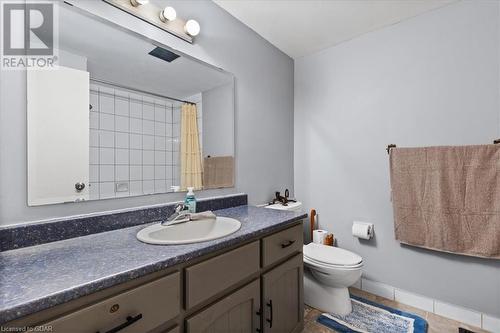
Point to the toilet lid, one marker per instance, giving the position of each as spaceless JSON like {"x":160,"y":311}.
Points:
{"x":331,"y":255}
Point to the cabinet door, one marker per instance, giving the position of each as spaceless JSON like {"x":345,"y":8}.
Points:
{"x":283,"y":303}
{"x":236,"y":313}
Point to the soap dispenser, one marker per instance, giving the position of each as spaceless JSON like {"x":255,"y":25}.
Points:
{"x":190,"y":200}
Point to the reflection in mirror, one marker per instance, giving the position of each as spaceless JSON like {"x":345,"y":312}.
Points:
{"x":125,"y":116}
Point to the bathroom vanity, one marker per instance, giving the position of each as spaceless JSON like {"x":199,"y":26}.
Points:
{"x":250,"y":281}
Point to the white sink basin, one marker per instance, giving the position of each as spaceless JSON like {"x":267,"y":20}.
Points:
{"x":189,"y":232}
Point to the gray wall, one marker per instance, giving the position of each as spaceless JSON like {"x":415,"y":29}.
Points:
{"x":430,"y":80}
{"x":218,"y":125}
{"x":263,"y":106}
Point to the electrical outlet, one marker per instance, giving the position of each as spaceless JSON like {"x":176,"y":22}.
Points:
{"x":121,"y":187}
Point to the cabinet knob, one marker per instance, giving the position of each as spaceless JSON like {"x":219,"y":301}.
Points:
{"x":79,"y":186}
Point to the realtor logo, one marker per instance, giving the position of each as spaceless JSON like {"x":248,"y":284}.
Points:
{"x":28,"y":34}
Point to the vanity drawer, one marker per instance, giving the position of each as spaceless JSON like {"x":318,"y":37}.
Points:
{"x":215,"y":275}
{"x":139,"y":310}
{"x":282,"y":244}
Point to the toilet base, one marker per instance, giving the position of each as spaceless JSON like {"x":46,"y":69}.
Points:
{"x":325,"y":298}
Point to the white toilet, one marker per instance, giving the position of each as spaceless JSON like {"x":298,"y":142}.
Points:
{"x":328,"y":272}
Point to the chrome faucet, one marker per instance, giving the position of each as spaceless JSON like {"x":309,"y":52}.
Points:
{"x":180,"y":215}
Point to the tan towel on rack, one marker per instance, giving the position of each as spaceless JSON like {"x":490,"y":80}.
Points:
{"x":448,"y":198}
{"x":218,"y":171}
{"x":206,"y":215}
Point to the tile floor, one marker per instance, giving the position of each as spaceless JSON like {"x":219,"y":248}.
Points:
{"x":437,"y":324}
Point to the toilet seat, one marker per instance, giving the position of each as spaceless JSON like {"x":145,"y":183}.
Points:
{"x":331,"y":257}
{"x":320,"y":265}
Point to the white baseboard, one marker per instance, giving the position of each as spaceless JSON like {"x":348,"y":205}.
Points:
{"x":377,"y":288}
{"x":417,"y":301}
{"x":455,"y":312}
{"x":491,"y":323}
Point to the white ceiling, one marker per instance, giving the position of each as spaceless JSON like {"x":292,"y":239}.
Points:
{"x":303,"y":27}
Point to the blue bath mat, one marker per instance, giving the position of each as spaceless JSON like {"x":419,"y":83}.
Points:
{"x":370,"y":317}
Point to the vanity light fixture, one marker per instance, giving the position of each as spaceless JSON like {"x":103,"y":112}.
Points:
{"x":168,"y":14}
{"x":137,"y":3}
{"x":192,"y":28}
{"x":164,"y":18}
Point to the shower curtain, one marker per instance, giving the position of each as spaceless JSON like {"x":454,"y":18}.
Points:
{"x":191,"y":165}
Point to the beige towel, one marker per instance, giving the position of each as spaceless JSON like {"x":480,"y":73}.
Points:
{"x":218,"y":171}
{"x":207,"y":215}
{"x":448,"y":198}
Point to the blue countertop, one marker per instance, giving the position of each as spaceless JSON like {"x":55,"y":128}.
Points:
{"x":42,"y":276}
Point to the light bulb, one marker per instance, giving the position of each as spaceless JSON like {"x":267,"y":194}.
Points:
{"x":136,"y":3}
{"x":192,"y":28}
{"x":168,"y":14}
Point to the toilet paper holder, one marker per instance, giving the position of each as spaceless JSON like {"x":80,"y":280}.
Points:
{"x":363,"y":230}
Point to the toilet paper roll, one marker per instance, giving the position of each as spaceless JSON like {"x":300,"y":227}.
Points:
{"x":319,"y":236}
{"x":362,"y":230}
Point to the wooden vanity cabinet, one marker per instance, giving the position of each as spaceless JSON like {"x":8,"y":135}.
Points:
{"x":282,"y":291}
{"x":255,"y":287}
{"x":281,"y":285}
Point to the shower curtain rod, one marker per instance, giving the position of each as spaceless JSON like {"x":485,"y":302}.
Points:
{"x":139,"y":90}
{"x":390,"y":146}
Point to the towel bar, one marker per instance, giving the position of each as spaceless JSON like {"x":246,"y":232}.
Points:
{"x":388,"y":149}
{"x":390,"y":146}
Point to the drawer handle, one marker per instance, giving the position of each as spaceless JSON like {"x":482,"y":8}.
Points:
{"x":270,"y":320}
{"x":287,"y":244}
{"x":130,"y":321}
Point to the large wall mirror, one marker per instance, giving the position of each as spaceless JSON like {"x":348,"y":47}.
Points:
{"x":125,"y":116}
